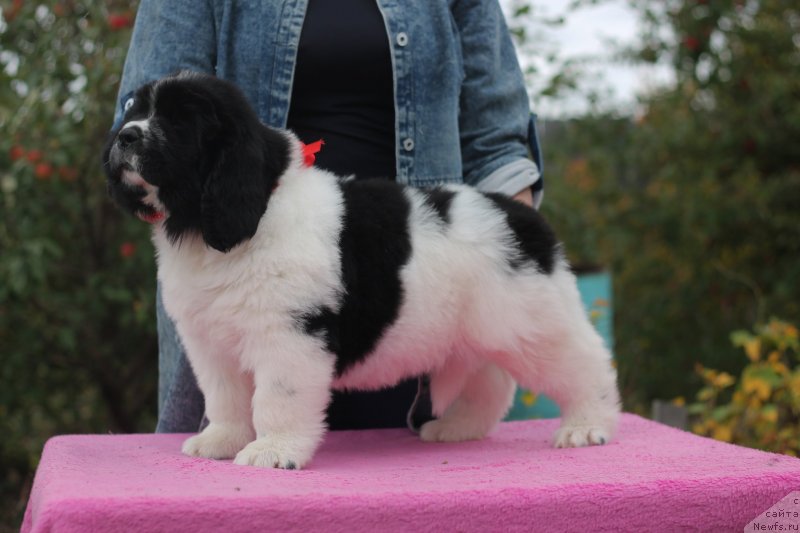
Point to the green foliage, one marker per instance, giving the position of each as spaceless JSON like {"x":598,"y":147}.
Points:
{"x":760,"y":408}
{"x":693,"y":204}
{"x":76,"y":300}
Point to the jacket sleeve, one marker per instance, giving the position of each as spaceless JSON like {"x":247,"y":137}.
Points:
{"x":495,"y":121}
{"x":167,"y":37}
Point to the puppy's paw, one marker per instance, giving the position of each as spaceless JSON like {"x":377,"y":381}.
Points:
{"x":569,"y":436}
{"x":218,"y":441}
{"x":444,"y":430}
{"x":276,"y":452}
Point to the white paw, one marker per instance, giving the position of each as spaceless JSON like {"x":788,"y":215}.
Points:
{"x":218,"y":441}
{"x":449,"y":431}
{"x":276,"y":452}
{"x":569,"y":436}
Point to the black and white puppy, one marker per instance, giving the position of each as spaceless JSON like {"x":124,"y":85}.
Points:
{"x":286,"y":281}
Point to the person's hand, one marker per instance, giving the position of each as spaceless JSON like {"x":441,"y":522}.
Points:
{"x":525,"y":196}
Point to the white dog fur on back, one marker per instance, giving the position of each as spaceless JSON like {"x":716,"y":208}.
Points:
{"x":286,"y":281}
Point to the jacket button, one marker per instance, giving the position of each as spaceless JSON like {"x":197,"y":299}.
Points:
{"x":402,"y":38}
{"x":408,"y":144}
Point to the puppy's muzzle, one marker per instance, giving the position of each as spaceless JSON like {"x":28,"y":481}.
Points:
{"x":128,"y":136}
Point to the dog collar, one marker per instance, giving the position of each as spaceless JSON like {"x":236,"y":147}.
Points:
{"x":310,"y":152}
{"x":152,"y":218}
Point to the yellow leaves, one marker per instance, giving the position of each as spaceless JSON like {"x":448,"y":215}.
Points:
{"x":723,"y":433}
{"x":528,"y":398}
{"x":779,"y":329}
{"x":776,"y":364}
{"x":761,"y":407}
{"x":717,"y":380}
{"x":680,"y":401}
{"x":704,"y":427}
{"x":723,"y":380}
{"x":756,"y":386}
{"x":706,"y":393}
{"x":770,"y":414}
{"x":794,"y":383}
{"x":714,"y":429}
{"x":752,"y":348}
{"x":597,"y":311}
{"x":775,"y":335}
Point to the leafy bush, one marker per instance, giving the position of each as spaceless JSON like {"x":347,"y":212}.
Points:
{"x":691,"y":204}
{"x":760,"y":408}
{"x":77,"y":325}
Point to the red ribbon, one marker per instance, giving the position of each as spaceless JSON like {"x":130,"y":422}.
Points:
{"x":310,"y":152}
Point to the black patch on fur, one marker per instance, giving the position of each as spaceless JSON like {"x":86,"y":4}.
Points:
{"x":323,"y":324}
{"x":375,"y":245}
{"x":439,"y":200}
{"x":535,"y":239}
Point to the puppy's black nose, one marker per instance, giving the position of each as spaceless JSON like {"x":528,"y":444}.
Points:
{"x":128,"y":136}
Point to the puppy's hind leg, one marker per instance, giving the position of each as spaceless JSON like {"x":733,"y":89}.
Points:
{"x":482,"y":402}
{"x":589,"y":403}
{"x":568,"y":362}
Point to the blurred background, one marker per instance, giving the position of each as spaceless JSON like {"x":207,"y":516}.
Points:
{"x":672,"y":144}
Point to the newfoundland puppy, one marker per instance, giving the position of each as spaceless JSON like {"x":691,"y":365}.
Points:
{"x":286,"y":281}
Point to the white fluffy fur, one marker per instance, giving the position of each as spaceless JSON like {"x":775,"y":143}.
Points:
{"x":465,"y":320}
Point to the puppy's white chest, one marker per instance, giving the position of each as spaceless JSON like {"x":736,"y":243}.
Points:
{"x":290,"y":267}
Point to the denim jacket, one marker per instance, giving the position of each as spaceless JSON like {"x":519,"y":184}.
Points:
{"x":461,"y":109}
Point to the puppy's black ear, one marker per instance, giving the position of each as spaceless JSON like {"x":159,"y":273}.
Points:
{"x":237,"y":190}
{"x":234,"y":199}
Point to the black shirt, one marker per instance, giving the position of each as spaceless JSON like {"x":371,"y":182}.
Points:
{"x":343,"y":93}
{"x":343,"y":88}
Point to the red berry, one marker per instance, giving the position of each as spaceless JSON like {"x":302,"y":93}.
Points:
{"x":68,"y":173}
{"x":43,"y":171}
{"x":691,"y":43}
{"x":11,"y":13}
{"x":16,"y":152}
{"x":118,"y":21}
{"x":34,"y":156}
{"x":127,"y":249}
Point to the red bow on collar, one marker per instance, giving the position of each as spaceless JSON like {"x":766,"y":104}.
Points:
{"x":310,"y":152}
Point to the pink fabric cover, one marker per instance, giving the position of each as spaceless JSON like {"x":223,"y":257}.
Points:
{"x":650,"y":478}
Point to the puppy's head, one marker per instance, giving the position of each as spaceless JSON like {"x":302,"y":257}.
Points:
{"x":191,"y":153}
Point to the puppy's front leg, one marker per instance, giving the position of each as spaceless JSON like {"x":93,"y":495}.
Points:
{"x":227,"y":391}
{"x":293,"y":374}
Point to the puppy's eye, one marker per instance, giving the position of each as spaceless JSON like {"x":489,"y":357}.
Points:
{"x":128,"y":104}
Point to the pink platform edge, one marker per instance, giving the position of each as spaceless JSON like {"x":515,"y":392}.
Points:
{"x":649,"y":478}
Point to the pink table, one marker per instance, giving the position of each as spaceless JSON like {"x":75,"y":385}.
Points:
{"x":650,"y":478}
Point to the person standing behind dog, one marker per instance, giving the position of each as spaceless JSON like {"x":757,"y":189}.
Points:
{"x":425,"y":92}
